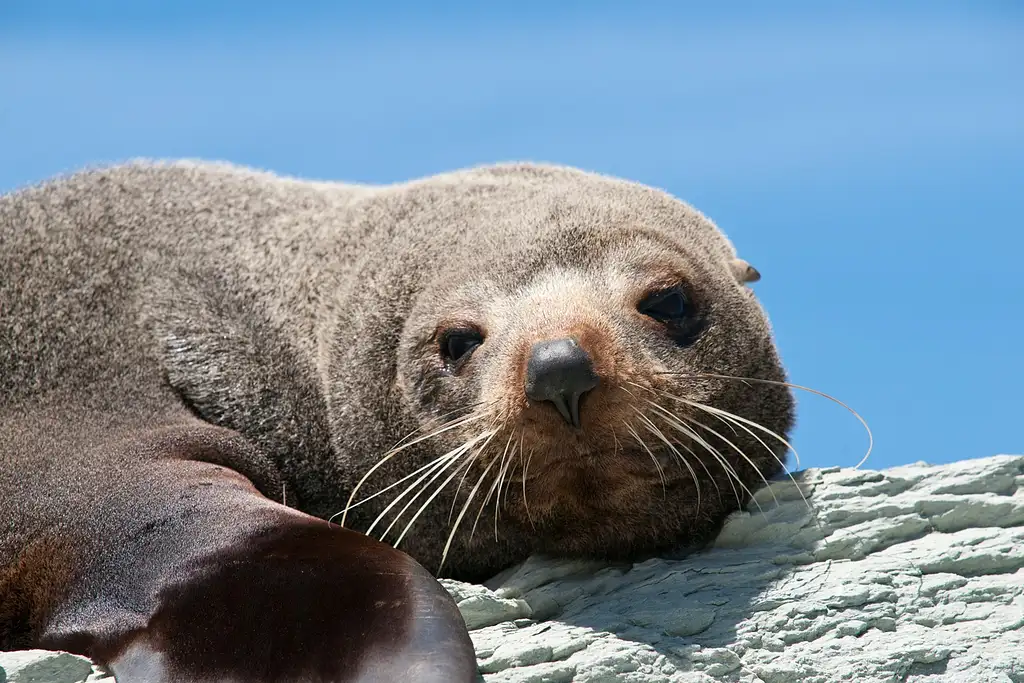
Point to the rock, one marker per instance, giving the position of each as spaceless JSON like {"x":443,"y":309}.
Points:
{"x":41,"y":666}
{"x":914,"y":574}
{"x":910,"y":574}
{"x":481,"y":607}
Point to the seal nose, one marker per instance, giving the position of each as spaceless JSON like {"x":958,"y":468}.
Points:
{"x":560,"y":371}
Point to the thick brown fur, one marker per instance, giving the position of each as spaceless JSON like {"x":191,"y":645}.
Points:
{"x":305,"y":319}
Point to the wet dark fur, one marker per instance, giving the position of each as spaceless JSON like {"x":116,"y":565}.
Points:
{"x":302,"y":315}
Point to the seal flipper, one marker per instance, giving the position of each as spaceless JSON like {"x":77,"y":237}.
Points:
{"x":182,"y":570}
{"x":302,"y":601}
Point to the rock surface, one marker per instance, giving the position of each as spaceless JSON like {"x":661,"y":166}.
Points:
{"x":914,"y":573}
{"x":41,"y":666}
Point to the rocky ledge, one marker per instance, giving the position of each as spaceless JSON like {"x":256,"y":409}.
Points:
{"x":913,"y":573}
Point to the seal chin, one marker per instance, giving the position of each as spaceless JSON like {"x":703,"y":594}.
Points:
{"x":588,"y":485}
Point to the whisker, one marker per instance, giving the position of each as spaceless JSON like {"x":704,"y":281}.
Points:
{"x":526,"y":469}
{"x":684,"y":446}
{"x":728,"y":418}
{"x":739,"y":419}
{"x":654,"y":459}
{"x":467,"y":408}
{"x":730,"y":471}
{"x":465,"y":508}
{"x":672,"y":446}
{"x":496,"y":485}
{"x":434,"y":475}
{"x":718,"y":412}
{"x":395,"y":451}
{"x":508,"y":486}
{"x":486,"y":437}
{"x":506,"y":471}
{"x":437,"y":463}
{"x":455,"y":496}
{"x":501,"y":467}
{"x":653,"y":429}
{"x":715,"y":413}
{"x":657,"y":465}
{"x":700,"y":461}
{"x":736,"y":448}
{"x":412,"y":474}
{"x":871,"y":438}
{"x":449,"y":458}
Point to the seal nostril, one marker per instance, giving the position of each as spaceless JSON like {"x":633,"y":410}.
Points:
{"x":560,"y":371}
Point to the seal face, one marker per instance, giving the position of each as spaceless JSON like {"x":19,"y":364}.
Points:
{"x":574,"y":359}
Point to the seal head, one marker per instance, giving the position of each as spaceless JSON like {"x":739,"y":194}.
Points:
{"x":574,"y":356}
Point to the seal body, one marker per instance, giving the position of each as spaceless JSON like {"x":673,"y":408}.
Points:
{"x":197,"y":361}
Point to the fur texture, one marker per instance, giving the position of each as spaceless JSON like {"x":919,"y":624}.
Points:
{"x":306,"y":317}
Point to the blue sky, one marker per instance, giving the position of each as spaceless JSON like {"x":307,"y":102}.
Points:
{"x":868,"y":160}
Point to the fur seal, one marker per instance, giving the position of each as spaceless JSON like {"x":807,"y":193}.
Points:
{"x":474,"y":367}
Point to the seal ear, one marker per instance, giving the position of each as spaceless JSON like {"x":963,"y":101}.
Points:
{"x":743,"y":271}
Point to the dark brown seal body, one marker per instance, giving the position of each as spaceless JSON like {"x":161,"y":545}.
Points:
{"x":185,"y":346}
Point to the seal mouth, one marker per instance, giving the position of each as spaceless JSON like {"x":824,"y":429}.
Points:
{"x":655,"y":467}
{"x":625,"y":430}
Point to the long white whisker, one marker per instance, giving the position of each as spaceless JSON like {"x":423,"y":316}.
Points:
{"x":449,"y":459}
{"x":395,"y":451}
{"x":508,"y":485}
{"x":496,"y":485}
{"x":728,"y":417}
{"x":871,"y":437}
{"x":526,"y":469}
{"x":504,"y":472}
{"x":486,"y":438}
{"x":455,"y":496}
{"x":436,"y":474}
{"x":465,"y":507}
{"x":437,"y":464}
{"x":466,"y":409}
{"x":661,"y":435}
{"x":700,"y":460}
{"x":740,"y":420}
{"x":657,"y":465}
{"x":674,"y":420}
{"x":417,"y":471}
{"x":718,"y":412}
{"x":654,"y":459}
{"x":735,"y":448}
{"x":728,"y":468}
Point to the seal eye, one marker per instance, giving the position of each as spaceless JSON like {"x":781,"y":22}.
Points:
{"x":665,"y":305}
{"x":457,"y":344}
